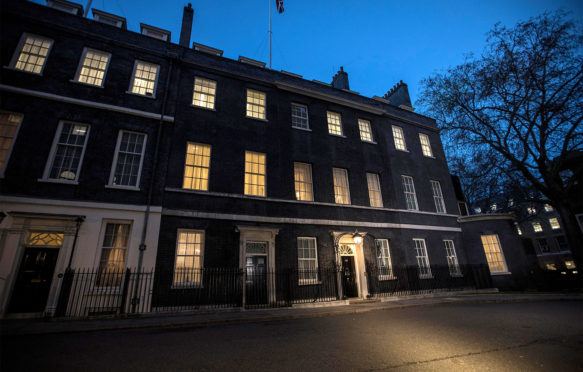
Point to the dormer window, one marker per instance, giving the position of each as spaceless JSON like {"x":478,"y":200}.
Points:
{"x":65,"y":6}
{"x":155,"y":32}
{"x":109,"y":19}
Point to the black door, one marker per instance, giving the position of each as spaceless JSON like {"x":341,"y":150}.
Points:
{"x":34,"y":280}
{"x":349,"y":276}
{"x":256,"y":285}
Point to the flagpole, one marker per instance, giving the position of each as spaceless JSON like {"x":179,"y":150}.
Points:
{"x":270,"y":33}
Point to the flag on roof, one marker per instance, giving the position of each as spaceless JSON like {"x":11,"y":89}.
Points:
{"x":279,"y":4}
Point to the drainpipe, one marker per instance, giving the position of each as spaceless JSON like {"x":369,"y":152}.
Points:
{"x":142,"y":246}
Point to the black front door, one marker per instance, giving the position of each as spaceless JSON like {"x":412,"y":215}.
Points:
{"x":349,"y":276}
{"x":256,"y":285}
{"x":33,"y":282}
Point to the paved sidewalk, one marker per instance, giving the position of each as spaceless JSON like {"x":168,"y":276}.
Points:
{"x":198,"y":319}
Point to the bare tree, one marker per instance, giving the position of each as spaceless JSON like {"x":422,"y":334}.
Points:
{"x":516,"y":110}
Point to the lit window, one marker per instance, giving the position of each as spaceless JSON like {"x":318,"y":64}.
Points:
{"x":9,"y":125}
{"x":518,"y":230}
{"x":307,"y":261}
{"x":67,"y":152}
{"x":188,"y":264}
{"x":570,"y":264}
{"x":494,"y":207}
{"x":422,"y":258}
{"x":299,"y":116}
{"x":255,"y":104}
{"x":303,"y":181}
{"x":254,"y":173}
{"x":204,"y":93}
{"x":425,"y":145}
{"x":384,"y":259}
{"x":536,"y":226}
{"x":374,"y":190}
{"x":543,"y":245}
{"x":113,"y":254}
{"x":32,"y":53}
{"x":437,"y":196}
{"x":478,"y":210}
{"x":334,"y":123}
{"x":399,"y":138}
{"x":145,"y":78}
{"x":196,"y":168}
{"x":494,"y":255}
{"x":92,"y":67}
{"x":554,"y":223}
{"x":45,"y":239}
{"x":341,"y":191}
{"x":365,"y":131}
{"x":531,"y":210}
{"x":129,"y":155}
{"x":452,"y":262}
{"x":409,"y":190}
{"x":548,"y":208}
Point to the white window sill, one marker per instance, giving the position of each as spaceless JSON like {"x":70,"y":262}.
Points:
{"x":86,"y":84}
{"x":402,"y":150}
{"x":304,"y":129}
{"x":258,"y":119}
{"x":496,"y":273}
{"x":26,"y":72}
{"x":153,"y":96}
{"x":337,"y":135}
{"x":121,"y":187}
{"x":186,"y":286}
{"x":309,"y":282}
{"x":430,"y":157}
{"x":387,"y":277}
{"x":203,"y":108}
{"x":369,"y":142}
{"x":62,"y":181}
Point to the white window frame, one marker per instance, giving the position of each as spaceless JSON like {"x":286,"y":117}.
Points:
{"x":264,"y":174}
{"x":381,"y":257}
{"x":304,"y":280}
{"x":203,"y":81}
{"x":19,"y":51}
{"x":398,"y":137}
{"x":410,"y":196}
{"x":196,"y":283}
{"x":371,"y":191}
{"x":345,"y":176}
{"x":332,"y":130}
{"x":126,"y":249}
{"x":363,"y":123}
{"x":53,"y":153}
{"x":11,"y":147}
{"x":425,"y":145}
{"x":554,"y":222}
{"x":423,"y":266}
{"x":80,"y":67}
{"x":194,"y":166}
{"x":494,"y":242}
{"x":133,"y":80}
{"x":311,"y":181}
{"x":437,"y":196}
{"x":307,"y":118}
{"x":116,"y":155}
{"x":452,"y":261}
{"x":264,"y":118}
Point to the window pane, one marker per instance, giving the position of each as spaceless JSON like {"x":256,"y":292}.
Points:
{"x":374,"y":190}
{"x":204,"y":93}
{"x":113,"y":254}
{"x":188,"y":264}
{"x":365,"y":132}
{"x":254,"y":174}
{"x":303,"y":181}
{"x":145,"y":76}
{"x":33,"y":53}
{"x":69,"y":147}
{"x":9,"y":124}
{"x":422,"y":259}
{"x":300,"y":116}
{"x":425,"y":145}
{"x":437,"y":196}
{"x":452,"y":262}
{"x":255,"y":104}
{"x":93,"y":67}
{"x":334,"y":123}
{"x":341,"y":192}
{"x":494,"y":254}
{"x":307,"y":260}
{"x":129,"y":157}
{"x":409,"y":190}
{"x":399,"y":138}
{"x":196,"y":168}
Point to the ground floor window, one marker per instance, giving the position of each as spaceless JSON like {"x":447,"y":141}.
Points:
{"x":494,"y":254}
{"x":384,"y":259}
{"x":113,"y":254}
{"x":452,"y":262}
{"x":422,"y":258}
{"x":307,"y":260}
{"x":188,"y":265}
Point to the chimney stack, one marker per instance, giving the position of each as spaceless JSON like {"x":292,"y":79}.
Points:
{"x":186,"y":30}
{"x":340,"y":80}
{"x":399,"y":96}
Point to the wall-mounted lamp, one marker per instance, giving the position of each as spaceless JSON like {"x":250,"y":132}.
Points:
{"x":357,"y":237}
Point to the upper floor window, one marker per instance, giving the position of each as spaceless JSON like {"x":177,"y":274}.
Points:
{"x":128,"y":159}
{"x":554,"y":223}
{"x":145,"y":78}
{"x":303,"y":181}
{"x":114,"y":248}
{"x":299,"y":116}
{"x":341,"y":191}
{"x":451,"y":255}
{"x":196,"y":167}
{"x":384,"y":264}
{"x":307,"y":261}
{"x":254,"y":173}
{"x":548,"y":208}
{"x":437,"y":196}
{"x":67,"y":151}
{"x":365,"y":131}
{"x":409,"y":190}
{"x":399,"y":138}
{"x":92,"y":67}
{"x":9,"y":125}
{"x":204,"y":93}
{"x":374,"y":190}
{"x":494,"y":254}
{"x":422,"y":258}
{"x":32,"y":53}
{"x":537,"y":227}
{"x":255,"y":104}
{"x":425,"y":145}
{"x":189,"y":254}
{"x":334,"y":123}
{"x":531,"y":210}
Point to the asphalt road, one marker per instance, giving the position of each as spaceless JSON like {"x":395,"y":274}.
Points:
{"x":538,"y":336}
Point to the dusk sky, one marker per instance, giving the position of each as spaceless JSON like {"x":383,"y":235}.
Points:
{"x":377,"y":42}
